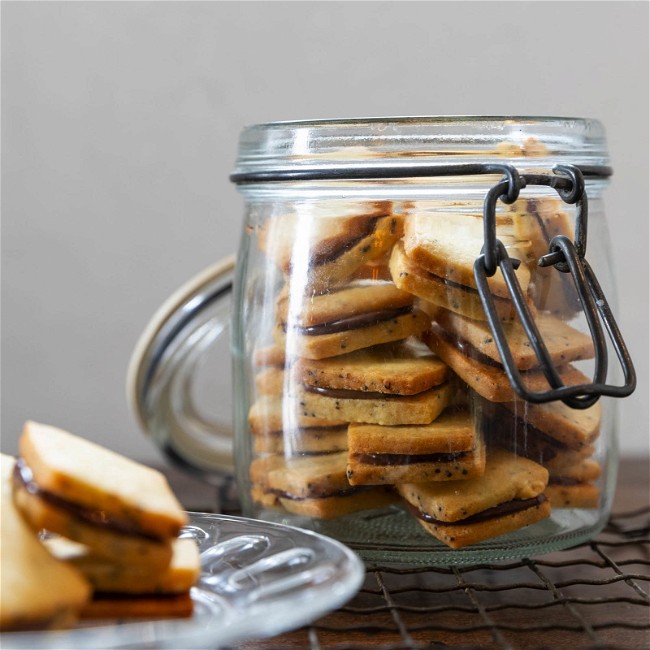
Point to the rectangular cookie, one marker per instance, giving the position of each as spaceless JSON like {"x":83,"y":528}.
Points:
{"x":575,"y":428}
{"x":271,"y":414}
{"x":442,"y":291}
{"x":313,"y":486}
{"x":38,"y":591}
{"x":563,"y":493}
{"x":84,"y":473}
{"x":111,"y":544}
{"x":119,"y":606}
{"x":342,"y":236}
{"x":374,"y":408}
{"x":446,"y":244}
{"x":403,"y":368}
{"x":270,"y":381}
{"x":110,"y":577}
{"x":278,"y":426}
{"x":541,"y":434}
{"x":563,"y":448}
{"x":507,"y":496}
{"x":269,"y":356}
{"x":487,"y":377}
{"x":305,"y":440}
{"x":450,"y":448}
{"x":351,"y":318}
{"x":565,"y":344}
{"x":572,"y":482}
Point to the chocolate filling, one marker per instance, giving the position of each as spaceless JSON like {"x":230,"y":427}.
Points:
{"x":466,"y":348}
{"x":408,"y":459}
{"x":507,"y":508}
{"x":334,"y":251}
{"x":316,"y":432}
{"x":338,"y":493}
{"x":513,"y":432}
{"x":564,"y":480}
{"x":461,"y":287}
{"x":343,"y":393}
{"x":355,"y":322}
{"x":23,"y":478}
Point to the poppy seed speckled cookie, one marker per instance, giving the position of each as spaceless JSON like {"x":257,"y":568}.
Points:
{"x":506,"y":497}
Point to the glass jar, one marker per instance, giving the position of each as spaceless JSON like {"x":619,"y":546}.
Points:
{"x":419,"y":359}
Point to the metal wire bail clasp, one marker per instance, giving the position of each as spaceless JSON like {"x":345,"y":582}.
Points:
{"x":567,"y":257}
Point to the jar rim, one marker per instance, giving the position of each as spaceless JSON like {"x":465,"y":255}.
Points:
{"x":526,"y":141}
{"x":429,"y":119}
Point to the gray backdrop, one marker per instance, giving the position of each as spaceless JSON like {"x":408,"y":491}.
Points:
{"x":119,"y":129}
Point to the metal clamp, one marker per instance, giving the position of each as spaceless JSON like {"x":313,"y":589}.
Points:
{"x":564,"y":255}
{"x":567,"y":257}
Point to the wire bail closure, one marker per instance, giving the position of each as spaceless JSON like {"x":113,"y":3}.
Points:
{"x":567,"y":257}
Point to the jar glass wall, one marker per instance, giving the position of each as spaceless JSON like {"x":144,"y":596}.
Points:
{"x":371,"y":400}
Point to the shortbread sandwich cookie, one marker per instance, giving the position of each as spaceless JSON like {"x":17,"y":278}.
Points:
{"x":447,"y":245}
{"x":575,"y":428}
{"x":572,"y":493}
{"x":313,"y":486}
{"x":375,"y":408}
{"x":572,"y":482}
{"x":564,"y":446}
{"x":540,"y":431}
{"x":38,"y":591}
{"x":304,"y":440}
{"x":385,"y":384}
{"x":259,"y":471}
{"x":269,"y":363}
{"x":468,"y":347}
{"x":123,"y":510}
{"x":327,"y":241}
{"x":508,"y":496}
{"x":126,"y":606}
{"x":450,"y":448}
{"x":442,"y":291}
{"x":269,"y":356}
{"x":278,"y":426}
{"x":356,"y":316}
{"x":107,"y":577}
{"x":270,"y":381}
{"x":539,"y":220}
{"x":400,"y":368}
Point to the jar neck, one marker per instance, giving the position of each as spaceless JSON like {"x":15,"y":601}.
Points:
{"x":367,"y":148}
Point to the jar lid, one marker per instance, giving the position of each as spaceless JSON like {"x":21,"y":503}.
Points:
{"x":527,"y":142}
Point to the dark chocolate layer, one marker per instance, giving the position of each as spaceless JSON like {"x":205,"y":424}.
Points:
{"x":512,"y":432}
{"x":461,"y":287}
{"x":408,"y":459}
{"x":342,"y":393}
{"x":354,"y":322}
{"x":507,"y":508}
{"x":337,"y":493}
{"x":564,"y":480}
{"x":333,"y":252}
{"x":23,"y":478}
{"x":465,"y":347}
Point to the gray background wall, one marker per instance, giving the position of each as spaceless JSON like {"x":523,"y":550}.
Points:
{"x":119,"y":130}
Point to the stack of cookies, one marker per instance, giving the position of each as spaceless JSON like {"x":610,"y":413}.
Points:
{"x":381,"y":383}
{"x":113,"y":533}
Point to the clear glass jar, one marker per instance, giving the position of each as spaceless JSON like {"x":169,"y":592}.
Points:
{"x":371,"y":402}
